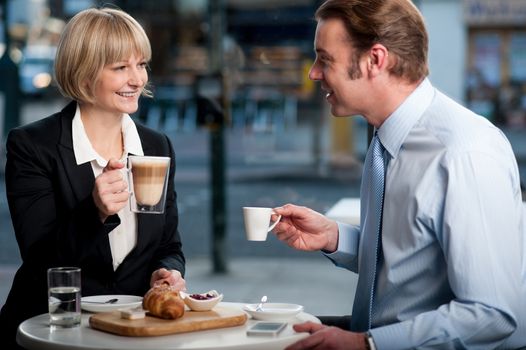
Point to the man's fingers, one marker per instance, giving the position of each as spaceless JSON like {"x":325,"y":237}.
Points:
{"x":285,"y":236}
{"x":285,"y":210}
{"x":311,"y":342}
{"x":308,"y":327}
{"x":284,"y":227}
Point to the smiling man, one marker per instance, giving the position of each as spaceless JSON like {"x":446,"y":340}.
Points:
{"x":440,"y":250}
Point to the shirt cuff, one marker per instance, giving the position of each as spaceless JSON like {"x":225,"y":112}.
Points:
{"x":370,"y":341}
{"x":392,"y":337}
{"x":347,"y":252}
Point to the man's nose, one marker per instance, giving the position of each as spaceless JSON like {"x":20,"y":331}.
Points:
{"x":315,"y":72}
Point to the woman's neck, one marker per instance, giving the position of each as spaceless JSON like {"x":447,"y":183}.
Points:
{"x":104,"y":131}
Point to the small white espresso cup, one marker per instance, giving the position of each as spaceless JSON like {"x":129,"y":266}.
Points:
{"x":257,"y":222}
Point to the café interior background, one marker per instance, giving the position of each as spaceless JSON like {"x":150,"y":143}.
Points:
{"x":230,"y":78}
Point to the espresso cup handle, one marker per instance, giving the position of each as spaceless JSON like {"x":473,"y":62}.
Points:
{"x":274,"y":224}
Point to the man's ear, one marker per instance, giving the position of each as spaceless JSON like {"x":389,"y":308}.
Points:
{"x":377,"y":59}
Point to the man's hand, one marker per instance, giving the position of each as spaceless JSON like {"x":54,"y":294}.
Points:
{"x":110,"y":192}
{"x":328,"y":338}
{"x":171,"y":277}
{"x":304,"y":229}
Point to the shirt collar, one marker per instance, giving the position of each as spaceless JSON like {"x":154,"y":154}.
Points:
{"x":84,"y":151}
{"x":132,"y":141}
{"x":396,"y":127}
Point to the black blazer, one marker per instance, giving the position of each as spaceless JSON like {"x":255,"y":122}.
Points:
{"x":57,"y":224}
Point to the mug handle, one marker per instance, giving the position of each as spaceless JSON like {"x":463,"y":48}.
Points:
{"x":129,"y":179}
{"x":274,"y":224}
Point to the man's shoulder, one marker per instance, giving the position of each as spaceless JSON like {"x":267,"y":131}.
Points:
{"x":456,"y":126}
{"x":443,"y":106}
{"x":449,"y":133}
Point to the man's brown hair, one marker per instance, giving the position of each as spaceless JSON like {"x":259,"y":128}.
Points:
{"x":396,"y":24}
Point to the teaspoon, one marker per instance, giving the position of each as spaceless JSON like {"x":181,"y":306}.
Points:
{"x":111,"y":301}
{"x":260,"y":305}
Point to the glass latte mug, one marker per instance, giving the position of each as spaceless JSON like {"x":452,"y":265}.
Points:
{"x":148,"y":182}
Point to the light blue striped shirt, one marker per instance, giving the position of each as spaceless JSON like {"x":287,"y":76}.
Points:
{"x":453,"y":266}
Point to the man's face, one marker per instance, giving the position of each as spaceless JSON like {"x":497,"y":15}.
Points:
{"x":334,"y":58}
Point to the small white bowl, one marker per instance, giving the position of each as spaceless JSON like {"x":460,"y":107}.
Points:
{"x":273,"y":311}
{"x":204,"y":304}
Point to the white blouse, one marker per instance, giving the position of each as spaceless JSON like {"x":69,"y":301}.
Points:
{"x":124,"y":237}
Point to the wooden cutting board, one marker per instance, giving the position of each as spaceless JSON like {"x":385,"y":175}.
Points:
{"x":219,"y":317}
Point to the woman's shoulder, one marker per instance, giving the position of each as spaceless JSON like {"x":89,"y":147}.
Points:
{"x":48,"y":127}
{"x":143,"y":130}
{"x":152,"y":137}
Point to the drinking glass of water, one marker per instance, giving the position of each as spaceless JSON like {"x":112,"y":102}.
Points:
{"x":64,"y":297}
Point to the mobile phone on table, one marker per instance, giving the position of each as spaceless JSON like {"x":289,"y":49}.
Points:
{"x":270,"y":329}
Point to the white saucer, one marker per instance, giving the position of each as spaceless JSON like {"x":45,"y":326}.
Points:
{"x":273,"y":311}
{"x":123,"y":302}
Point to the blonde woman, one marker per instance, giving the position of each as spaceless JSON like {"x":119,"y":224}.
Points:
{"x":66,"y":187}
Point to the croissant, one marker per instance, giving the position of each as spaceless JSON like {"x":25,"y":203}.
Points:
{"x":164,"y":302}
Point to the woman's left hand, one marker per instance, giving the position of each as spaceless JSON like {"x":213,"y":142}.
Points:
{"x":171,"y":277}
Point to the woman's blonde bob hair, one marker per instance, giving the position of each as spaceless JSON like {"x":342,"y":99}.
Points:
{"x":92,"y":39}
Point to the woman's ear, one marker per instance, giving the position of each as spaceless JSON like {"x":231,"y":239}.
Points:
{"x":88,"y":87}
{"x":85,"y":85}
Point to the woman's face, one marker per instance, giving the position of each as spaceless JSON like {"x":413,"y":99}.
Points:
{"x":120,"y":85}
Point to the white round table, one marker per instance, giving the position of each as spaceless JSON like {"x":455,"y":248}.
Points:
{"x":35,"y":334}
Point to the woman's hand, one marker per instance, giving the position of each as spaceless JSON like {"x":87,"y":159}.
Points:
{"x":110,"y":192}
{"x":171,"y":277}
{"x":305,"y":229}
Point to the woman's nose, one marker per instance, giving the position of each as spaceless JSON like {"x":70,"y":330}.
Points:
{"x":136,"y":78}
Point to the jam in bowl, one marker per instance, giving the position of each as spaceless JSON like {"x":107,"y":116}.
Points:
{"x":201,"y":301}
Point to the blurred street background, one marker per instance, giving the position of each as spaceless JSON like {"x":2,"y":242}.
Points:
{"x":249,"y":128}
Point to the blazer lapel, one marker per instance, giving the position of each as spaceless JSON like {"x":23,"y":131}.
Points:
{"x":80,"y":176}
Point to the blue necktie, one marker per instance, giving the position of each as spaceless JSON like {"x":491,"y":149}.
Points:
{"x":373,"y":182}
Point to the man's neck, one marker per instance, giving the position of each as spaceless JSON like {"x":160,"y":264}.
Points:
{"x":388,"y":98}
